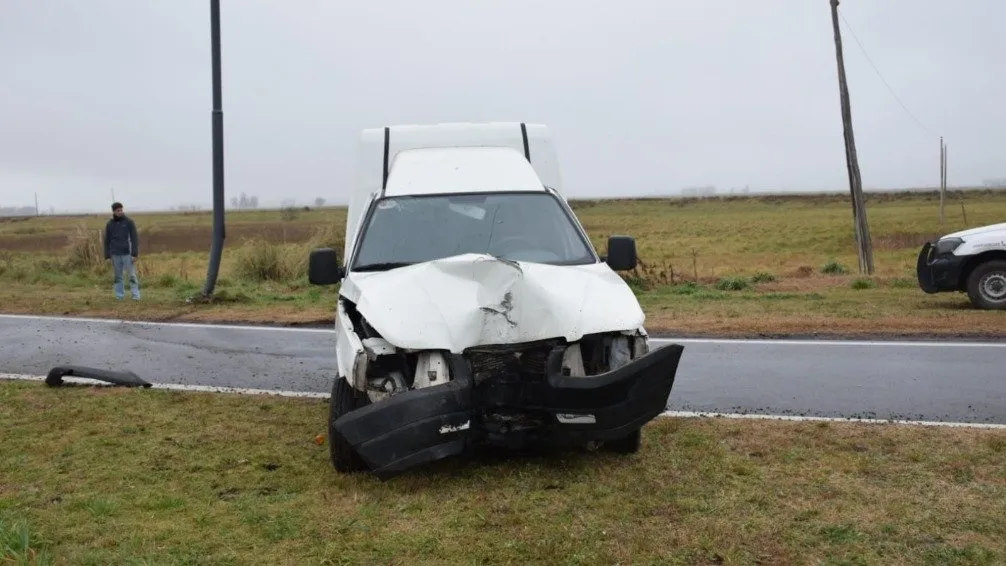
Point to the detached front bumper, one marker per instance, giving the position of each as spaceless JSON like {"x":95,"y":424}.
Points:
{"x":938,"y":273}
{"x":423,"y":425}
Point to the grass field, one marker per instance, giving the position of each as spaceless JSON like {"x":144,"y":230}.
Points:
{"x":118,"y":476}
{"x":732,"y":266}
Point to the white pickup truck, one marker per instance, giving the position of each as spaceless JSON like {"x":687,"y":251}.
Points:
{"x":971,"y":261}
{"x":473,"y":308}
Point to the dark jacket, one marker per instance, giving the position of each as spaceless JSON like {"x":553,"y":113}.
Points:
{"x":121,"y":237}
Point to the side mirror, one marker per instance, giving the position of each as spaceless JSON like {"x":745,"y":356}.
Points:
{"x":621,"y":253}
{"x":323,"y":267}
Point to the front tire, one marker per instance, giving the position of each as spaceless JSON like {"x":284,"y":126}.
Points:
{"x":344,"y":400}
{"x":987,"y":285}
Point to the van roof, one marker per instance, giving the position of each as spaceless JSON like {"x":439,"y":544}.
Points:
{"x":533,"y":141}
{"x":460,"y":170}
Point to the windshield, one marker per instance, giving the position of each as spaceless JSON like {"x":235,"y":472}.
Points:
{"x":530,"y":227}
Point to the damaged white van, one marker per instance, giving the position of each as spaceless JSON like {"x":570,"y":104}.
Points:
{"x":473,"y":308}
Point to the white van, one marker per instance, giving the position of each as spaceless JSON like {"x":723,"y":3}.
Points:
{"x":473,"y":308}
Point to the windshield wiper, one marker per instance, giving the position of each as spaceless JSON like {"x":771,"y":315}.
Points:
{"x":382,"y":266}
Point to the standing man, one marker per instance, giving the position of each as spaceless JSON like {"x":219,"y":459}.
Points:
{"x":122,"y":246}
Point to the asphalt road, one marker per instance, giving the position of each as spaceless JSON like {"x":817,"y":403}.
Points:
{"x":932,"y":381}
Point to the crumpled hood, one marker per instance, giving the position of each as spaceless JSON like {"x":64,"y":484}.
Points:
{"x":977,"y":231}
{"x":467,"y":300}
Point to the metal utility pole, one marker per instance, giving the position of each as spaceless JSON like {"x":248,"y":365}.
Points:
{"x":865,"y":243}
{"x":943,"y":188}
{"x":217,"y":247}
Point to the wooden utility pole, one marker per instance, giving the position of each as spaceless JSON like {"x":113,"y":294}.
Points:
{"x":943,"y":178}
{"x":865,"y":243}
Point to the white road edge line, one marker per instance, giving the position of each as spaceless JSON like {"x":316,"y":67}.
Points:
{"x":175,"y":387}
{"x":756,"y":416}
{"x":655,"y":340}
{"x":676,"y":414}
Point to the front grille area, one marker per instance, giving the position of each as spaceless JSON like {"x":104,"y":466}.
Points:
{"x":527,"y":362}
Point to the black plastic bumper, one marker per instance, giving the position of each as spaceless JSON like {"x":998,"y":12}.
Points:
{"x":938,"y":273}
{"x":420,"y":426}
{"x":123,"y":378}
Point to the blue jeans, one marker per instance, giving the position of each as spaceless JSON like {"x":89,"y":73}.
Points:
{"x":120,"y":264}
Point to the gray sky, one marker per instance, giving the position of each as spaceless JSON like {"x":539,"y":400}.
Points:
{"x":642,"y":96}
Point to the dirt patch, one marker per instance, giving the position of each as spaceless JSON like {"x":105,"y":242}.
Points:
{"x":198,"y":238}
{"x":803,"y":271}
{"x":47,"y":242}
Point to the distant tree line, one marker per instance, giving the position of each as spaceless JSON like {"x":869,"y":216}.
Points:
{"x":244,"y":202}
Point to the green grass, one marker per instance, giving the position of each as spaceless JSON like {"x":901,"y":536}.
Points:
{"x":19,"y":545}
{"x":115,"y":476}
{"x":733,"y":284}
{"x":861,"y":284}
{"x":834,"y":268}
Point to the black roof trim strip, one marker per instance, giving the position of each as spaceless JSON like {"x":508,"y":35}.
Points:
{"x":387,"y":144}
{"x":527,"y":148}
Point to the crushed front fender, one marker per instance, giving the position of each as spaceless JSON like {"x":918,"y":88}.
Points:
{"x":420,"y":426}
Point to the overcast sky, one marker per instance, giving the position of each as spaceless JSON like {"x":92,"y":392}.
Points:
{"x":641,"y":96}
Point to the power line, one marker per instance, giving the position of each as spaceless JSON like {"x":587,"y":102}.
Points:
{"x":882,"y":79}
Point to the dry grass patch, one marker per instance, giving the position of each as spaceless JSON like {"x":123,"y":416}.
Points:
{"x":260,"y":260}
{"x":102,"y":475}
